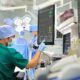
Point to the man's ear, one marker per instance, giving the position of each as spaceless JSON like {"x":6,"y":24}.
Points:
{"x":5,"y":40}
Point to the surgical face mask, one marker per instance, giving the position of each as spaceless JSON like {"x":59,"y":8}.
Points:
{"x":11,"y":42}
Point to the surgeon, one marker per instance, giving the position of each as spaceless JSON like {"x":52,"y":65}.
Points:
{"x":9,"y":57}
{"x":21,"y":45}
{"x":33,"y":42}
{"x":33,"y":48}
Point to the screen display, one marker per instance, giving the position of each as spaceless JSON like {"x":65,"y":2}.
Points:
{"x":66,"y":42}
{"x":46,"y":20}
{"x":78,"y":6}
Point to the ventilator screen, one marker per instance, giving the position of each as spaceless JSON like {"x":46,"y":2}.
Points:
{"x":46,"y":20}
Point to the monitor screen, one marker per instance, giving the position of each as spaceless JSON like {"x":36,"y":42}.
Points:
{"x":46,"y":23}
{"x":78,"y":6}
{"x":66,"y":42}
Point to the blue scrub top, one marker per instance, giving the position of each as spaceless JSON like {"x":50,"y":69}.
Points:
{"x":22,"y":46}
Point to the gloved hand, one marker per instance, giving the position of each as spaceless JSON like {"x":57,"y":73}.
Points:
{"x":42,"y":46}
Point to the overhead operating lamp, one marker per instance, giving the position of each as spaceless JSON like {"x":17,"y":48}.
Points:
{"x":18,"y":23}
{"x":26,"y":22}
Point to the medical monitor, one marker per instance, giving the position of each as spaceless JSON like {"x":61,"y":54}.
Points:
{"x":46,"y":23}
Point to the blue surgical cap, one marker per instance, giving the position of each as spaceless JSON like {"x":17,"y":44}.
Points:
{"x":33,"y":28}
{"x":8,"y":21}
{"x":6,"y":31}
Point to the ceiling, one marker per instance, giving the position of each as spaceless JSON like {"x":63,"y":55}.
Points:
{"x":28,"y":3}
{"x":6,"y":5}
{"x":11,"y":3}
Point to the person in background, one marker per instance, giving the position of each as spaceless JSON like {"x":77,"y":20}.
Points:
{"x":33,"y":42}
{"x":21,"y":45}
{"x":33,"y":48}
{"x":10,"y":57}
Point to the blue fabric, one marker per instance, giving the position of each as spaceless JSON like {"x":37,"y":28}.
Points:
{"x":31,"y":73}
{"x":33,"y":52}
{"x":6,"y":31}
{"x":33,"y":28}
{"x":8,"y":21}
{"x":42,"y":46}
{"x":22,"y":46}
{"x":76,"y":78}
{"x":34,"y":42}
